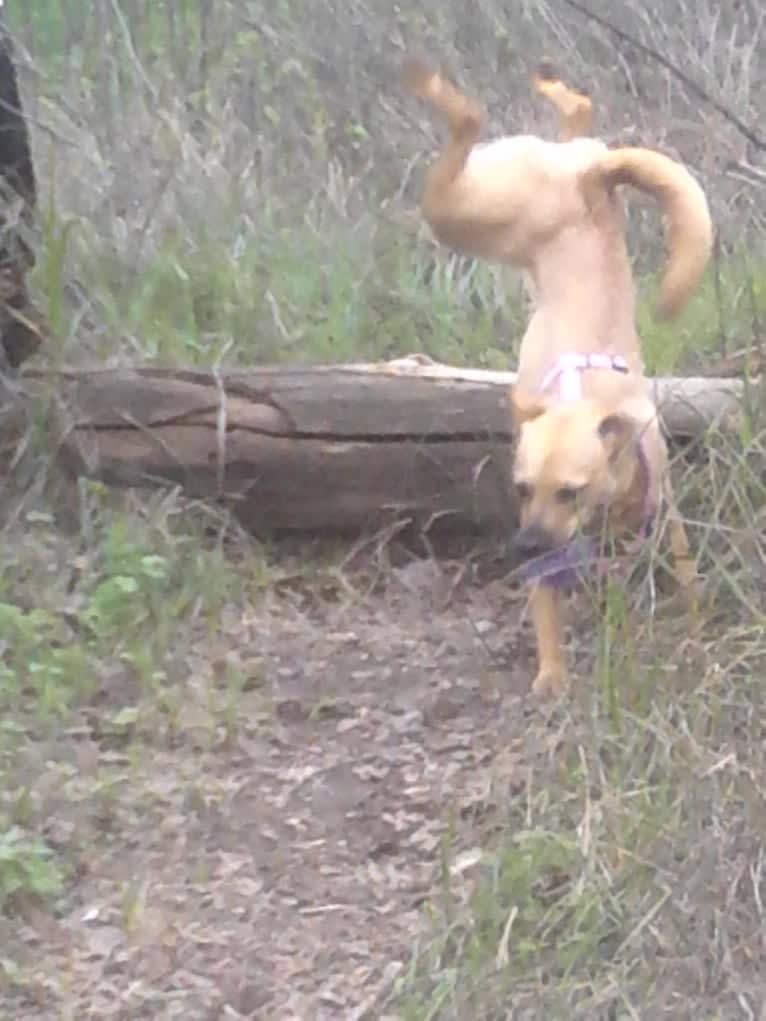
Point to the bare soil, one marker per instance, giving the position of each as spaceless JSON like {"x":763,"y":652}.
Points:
{"x":278,"y":852}
{"x":278,"y":868}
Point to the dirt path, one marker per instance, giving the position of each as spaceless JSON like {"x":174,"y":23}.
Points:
{"x":277,"y":868}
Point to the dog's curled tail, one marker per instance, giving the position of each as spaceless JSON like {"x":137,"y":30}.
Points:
{"x":688,"y":225}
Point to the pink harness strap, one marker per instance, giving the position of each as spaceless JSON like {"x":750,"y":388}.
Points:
{"x":569,"y":366}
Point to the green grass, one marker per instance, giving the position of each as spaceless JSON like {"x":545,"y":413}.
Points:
{"x":52,"y":25}
{"x":121,"y":600}
{"x":283,"y":294}
{"x":286,"y":295}
{"x":248,"y":228}
{"x":724,"y":315}
{"x":589,"y":877}
{"x":597,"y":876}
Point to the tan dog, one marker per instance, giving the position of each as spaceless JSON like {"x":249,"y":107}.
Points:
{"x":590,"y":451}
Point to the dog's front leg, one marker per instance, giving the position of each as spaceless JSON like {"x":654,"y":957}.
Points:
{"x":684,"y":564}
{"x":547,"y":611}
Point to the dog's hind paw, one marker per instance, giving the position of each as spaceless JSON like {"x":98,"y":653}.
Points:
{"x":546,"y":71}
{"x":420,"y":77}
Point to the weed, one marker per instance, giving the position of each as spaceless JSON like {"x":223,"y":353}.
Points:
{"x":27,"y":868}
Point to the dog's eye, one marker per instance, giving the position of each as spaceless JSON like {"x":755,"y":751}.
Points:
{"x":568,"y":494}
{"x":523,"y":491}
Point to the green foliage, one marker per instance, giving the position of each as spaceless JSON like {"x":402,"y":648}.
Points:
{"x":27,"y":868}
{"x":227,"y":185}
{"x":724,"y":315}
{"x":337,"y":296}
{"x":57,"y":27}
{"x":305,"y":297}
{"x":146,"y":581}
{"x":42,"y":662}
{"x":144,"y":585}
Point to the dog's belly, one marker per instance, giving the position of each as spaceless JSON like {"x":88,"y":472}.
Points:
{"x":563,"y":157}
{"x":503,"y":150}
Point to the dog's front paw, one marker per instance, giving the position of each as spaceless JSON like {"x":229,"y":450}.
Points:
{"x":551,"y":682}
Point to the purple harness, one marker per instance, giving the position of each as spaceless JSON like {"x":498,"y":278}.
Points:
{"x":563,"y":567}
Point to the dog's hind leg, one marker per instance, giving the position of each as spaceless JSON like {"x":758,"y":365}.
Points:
{"x":464,"y":121}
{"x":574,"y":108}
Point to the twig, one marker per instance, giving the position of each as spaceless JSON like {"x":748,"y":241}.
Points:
{"x":745,"y":172}
{"x":221,"y":420}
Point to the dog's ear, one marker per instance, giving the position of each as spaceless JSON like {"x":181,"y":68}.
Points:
{"x":617,"y":432}
{"x":525,"y":407}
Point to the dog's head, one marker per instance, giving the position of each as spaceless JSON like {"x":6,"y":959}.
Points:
{"x":572,"y":461}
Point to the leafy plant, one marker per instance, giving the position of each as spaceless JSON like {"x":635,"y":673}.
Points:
{"x":27,"y":867}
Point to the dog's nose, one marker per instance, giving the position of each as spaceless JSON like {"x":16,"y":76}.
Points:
{"x":531,"y":541}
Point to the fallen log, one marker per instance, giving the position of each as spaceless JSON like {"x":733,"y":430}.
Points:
{"x":328,"y":448}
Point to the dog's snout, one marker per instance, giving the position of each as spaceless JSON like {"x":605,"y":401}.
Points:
{"x":532,"y":541}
